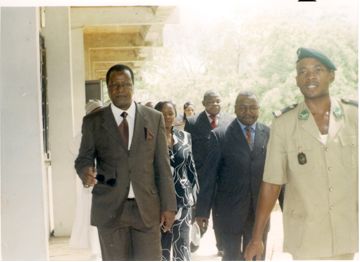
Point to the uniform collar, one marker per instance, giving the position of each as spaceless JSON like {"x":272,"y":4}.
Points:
{"x":335,"y":110}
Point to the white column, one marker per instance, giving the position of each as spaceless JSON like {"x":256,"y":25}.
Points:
{"x":23,"y":220}
{"x":78,"y":73}
{"x":61,"y":115}
{"x":1,"y":95}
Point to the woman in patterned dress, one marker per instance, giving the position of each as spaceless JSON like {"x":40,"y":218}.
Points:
{"x":186,"y":186}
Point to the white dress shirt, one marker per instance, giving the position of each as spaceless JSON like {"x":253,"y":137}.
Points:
{"x":216,"y":118}
{"x":131,"y":123}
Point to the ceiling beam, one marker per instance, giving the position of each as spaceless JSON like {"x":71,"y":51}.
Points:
{"x":129,"y":40}
{"x":122,"y":15}
{"x":114,"y":55}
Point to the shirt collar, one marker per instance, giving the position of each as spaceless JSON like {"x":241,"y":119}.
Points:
{"x":216,"y":116}
{"x":131,"y":110}
{"x":253,"y":126}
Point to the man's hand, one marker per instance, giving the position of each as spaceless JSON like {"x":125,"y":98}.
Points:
{"x":203,"y":224}
{"x":88,"y":177}
{"x":254,"y":248}
{"x":167,"y":220}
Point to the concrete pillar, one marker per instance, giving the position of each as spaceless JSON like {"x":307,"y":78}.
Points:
{"x":24,"y":230}
{"x":61,"y":115}
{"x":78,"y":72}
{"x":1,"y":95}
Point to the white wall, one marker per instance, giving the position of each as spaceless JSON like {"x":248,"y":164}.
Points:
{"x":1,"y":96}
{"x":23,"y":220}
{"x":78,"y":73}
{"x":57,"y":36}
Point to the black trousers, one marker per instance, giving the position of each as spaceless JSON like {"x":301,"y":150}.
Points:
{"x":235,"y":243}
{"x":217,"y":230}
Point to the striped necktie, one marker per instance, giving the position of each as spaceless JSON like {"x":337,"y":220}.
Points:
{"x":124,"y":129}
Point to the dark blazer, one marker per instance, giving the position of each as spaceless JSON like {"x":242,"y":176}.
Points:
{"x":146,"y":164}
{"x":199,"y":127}
{"x":233,"y":175}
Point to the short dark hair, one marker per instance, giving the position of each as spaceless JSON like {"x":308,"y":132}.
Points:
{"x":159,"y":106}
{"x":210,"y":93}
{"x":119,"y":68}
{"x":247,"y":93}
{"x":187,"y":104}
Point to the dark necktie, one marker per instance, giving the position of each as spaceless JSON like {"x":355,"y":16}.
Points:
{"x":213,"y":121}
{"x":124,"y":129}
{"x":248,"y":135}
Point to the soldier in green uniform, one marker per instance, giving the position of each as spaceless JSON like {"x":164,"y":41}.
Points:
{"x":313,"y":149}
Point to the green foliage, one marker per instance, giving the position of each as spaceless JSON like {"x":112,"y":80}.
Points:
{"x":257,"y":54}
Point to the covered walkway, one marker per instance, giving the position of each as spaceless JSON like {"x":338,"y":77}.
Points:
{"x":48,"y":56}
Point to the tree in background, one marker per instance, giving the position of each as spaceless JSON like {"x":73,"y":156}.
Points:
{"x":255,"y":52}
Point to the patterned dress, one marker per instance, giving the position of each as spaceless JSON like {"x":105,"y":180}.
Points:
{"x":186,"y":188}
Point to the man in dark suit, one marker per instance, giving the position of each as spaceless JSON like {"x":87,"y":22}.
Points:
{"x":234,"y":169}
{"x":199,"y":127}
{"x":123,"y":154}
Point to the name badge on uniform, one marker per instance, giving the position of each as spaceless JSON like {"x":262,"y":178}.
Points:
{"x":302,"y":158}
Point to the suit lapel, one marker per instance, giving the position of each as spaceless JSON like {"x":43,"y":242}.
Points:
{"x":238,"y":135}
{"x":204,"y":121}
{"x":260,"y":138}
{"x":140,"y":129}
{"x":109,"y":124}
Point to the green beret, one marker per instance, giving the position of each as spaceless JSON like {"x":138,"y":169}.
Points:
{"x":308,"y":52}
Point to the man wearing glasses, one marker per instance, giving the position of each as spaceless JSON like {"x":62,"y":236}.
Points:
{"x":133,"y":194}
{"x":234,"y":169}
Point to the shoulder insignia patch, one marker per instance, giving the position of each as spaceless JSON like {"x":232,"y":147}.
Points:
{"x":349,"y":102}
{"x":284,"y":110}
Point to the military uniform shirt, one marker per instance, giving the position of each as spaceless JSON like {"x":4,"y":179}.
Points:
{"x":321,"y":199}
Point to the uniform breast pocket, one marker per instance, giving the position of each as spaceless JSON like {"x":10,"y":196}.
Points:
{"x":349,"y":150}
{"x":301,"y":160}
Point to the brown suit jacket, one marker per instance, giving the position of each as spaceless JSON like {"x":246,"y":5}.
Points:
{"x":146,"y":165}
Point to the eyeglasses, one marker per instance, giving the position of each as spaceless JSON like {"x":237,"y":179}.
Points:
{"x":252,"y":109}
{"x":120,"y":85}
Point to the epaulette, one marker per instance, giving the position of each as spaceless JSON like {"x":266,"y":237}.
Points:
{"x":284,"y":110}
{"x":349,"y":102}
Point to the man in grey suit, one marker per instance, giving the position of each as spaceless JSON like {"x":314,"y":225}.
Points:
{"x":123,"y":154}
{"x":234,"y":169}
{"x":199,"y":127}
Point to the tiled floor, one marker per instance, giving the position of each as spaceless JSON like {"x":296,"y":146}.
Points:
{"x":60,"y":250}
